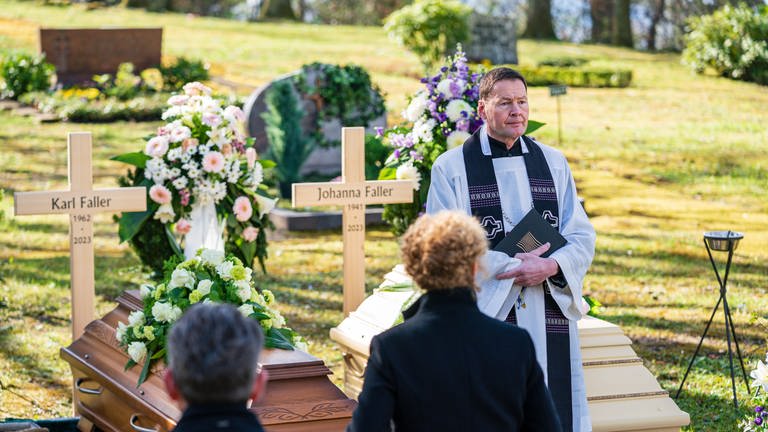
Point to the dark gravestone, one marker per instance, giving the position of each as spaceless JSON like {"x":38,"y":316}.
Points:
{"x":79,"y":54}
{"x":492,"y":38}
{"x":322,"y":160}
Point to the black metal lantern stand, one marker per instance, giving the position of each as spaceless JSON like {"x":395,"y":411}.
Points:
{"x":722,"y":241}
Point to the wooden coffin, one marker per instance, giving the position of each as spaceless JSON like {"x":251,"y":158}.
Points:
{"x":622,"y":394}
{"x":300,"y":397}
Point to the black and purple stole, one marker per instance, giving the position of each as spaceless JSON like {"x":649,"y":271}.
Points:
{"x":485,"y":203}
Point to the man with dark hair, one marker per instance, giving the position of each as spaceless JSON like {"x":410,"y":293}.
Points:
{"x":213,"y":370}
{"x":498,"y":176}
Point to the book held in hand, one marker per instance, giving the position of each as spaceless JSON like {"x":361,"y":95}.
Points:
{"x":531,"y":232}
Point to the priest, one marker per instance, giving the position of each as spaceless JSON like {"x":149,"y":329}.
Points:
{"x":499,"y":175}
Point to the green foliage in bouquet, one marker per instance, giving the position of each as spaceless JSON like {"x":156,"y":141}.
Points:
{"x":22,"y":73}
{"x":207,"y":277}
{"x":287,"y":145}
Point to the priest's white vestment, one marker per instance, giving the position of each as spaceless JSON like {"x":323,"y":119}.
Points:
{"x":449,"y":191}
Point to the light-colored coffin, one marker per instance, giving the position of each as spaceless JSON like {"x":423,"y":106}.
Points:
{"x":623,"y":395}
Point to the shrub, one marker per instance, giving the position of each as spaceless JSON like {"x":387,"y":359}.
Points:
{"x":733,"y":42}
{"x":23,"y":73}
{"x":86,"y":106}
{"x":183,"y":71}
{"x":287,"y":147}
{"x":563,"y":62}
{"x":575,"y":77}
{"x":429,"y":28}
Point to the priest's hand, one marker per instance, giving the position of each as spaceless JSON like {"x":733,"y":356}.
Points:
{"x":533,"y":269}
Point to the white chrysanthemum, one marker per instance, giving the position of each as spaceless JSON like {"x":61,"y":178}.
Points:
{"x":760,"y":376}
{"x":243,"y":290}
{"x":204,"y":287}
{"x":137,"y":351}
{"x":422,"y":130}
{"x":457,"y":138}
{"x":180,"y":183}
{"x":455,"y":108}
{"x":174,"y":154}
{"x":225,"y":270}
{"x":182,"y":278}
{"x":212,"y":257}
{"x":246,"y":310}
{"x":136,"y":318}
{"x":165,"y":213}
{"x":165,"y":312}
{"x":416,"y":107}
{"x":409,"y":172}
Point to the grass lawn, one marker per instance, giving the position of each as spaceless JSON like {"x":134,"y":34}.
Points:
{"x":658,"y":163}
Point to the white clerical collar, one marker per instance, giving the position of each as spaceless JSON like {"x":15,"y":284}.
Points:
{"x":485,"y":145}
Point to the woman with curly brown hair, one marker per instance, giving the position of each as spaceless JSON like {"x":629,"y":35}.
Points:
{"x":449,"y":367}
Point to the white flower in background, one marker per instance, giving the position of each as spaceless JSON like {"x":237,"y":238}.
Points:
{"x":165,"y":312}
{"x":145,"y":290}
{"x":212,"y":257}
{"x":277,"y":320}
{"x":136,"y":318}
{"x":196,"y":89}
{"x":182,"y":278}
{"x":234,"y":114}
{"x":416,"y":107}
{"x":409,"y":172}
{"x":137,"y":351}
{"x":422,"y":130}
{"x":256,"y":176}
{"x":300,"y":344}
{"x":157,"y":146}
{"x":165,"y":213}
{"x":455,"y":108}
{"x":174,"y":154}
{"x":225,"y":270}
{"x":760,"y":376}
{"x":243,"y":290}
{"x":218,"y":136}
{"x":173,"y":111}
{"x":180,"y":183}
{"x":457,"y":138}
{"x":179,"y":134}
{"x":265,"y":204}
{"x":178,"y":100}
{"x":246,"y":310}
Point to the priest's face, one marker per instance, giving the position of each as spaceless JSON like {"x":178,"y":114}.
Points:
{"x":505,"y":111}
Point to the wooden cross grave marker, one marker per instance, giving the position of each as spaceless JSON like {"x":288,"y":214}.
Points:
{"x":80,"y":202}
{"x":354,"y":193}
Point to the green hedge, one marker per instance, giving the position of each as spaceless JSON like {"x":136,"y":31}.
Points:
{"x":575,"y":76}
{"x":111,"y":109}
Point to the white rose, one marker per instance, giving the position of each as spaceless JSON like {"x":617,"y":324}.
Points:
{"x":204,"y":287}
{"x":164,"y":312}
{"x":409,"y":172}
{"x":145,"y":290}
{"x":225,"y":270}
{"x":457,"y":138}
{"x":212,"y":257}
{"x":246,"y":310}
{"x":165,"y":213}
{"x":416,"y":107}
{"x":181,"y":277}
{"x":137,"y":351}
{"x":243,"y":290}
{"x":277,"y":320}
{"x":136,"y":318}
{"x":120,"y":331}
{"x":454,"y":109}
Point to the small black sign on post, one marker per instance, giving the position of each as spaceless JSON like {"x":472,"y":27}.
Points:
{"x":556,"y":91}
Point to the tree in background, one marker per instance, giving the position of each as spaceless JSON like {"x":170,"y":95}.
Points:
{"x":622,"y":26}
{"x":601,"y":13}
{"x":539,"y":20}
{"x":277,"y":9}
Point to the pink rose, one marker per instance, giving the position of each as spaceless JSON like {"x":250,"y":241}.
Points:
{"x":243,"y":209}
{"x":183,"y":226}
{"x":250,"y":234}
{"x":160,"y":194}
{"x":213,"y":162}
{"x":250,"y":156}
